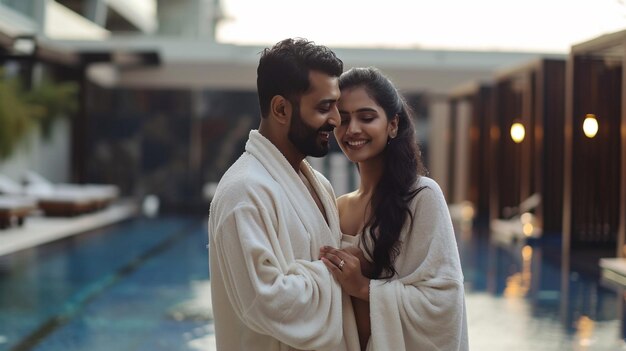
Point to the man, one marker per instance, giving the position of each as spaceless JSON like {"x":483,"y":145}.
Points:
{"x":272,"y":212}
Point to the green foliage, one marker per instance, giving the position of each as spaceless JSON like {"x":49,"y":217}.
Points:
{"x":57,"y":99}
{"x":21,"y":110}
{"x":16,"y":116}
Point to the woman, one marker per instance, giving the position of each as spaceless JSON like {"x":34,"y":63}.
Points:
{"x":408,"y":283}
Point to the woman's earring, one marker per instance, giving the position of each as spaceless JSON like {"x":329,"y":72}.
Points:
{"x":389,"y":140}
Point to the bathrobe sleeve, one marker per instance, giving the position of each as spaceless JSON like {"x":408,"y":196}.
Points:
{"x":425,"y":308}
{"x":294,"y":301}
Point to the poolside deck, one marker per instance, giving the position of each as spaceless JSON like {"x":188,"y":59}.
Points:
{"x":40,"y":230}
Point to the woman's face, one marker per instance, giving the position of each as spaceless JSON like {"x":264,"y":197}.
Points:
{"x":364,"y":128}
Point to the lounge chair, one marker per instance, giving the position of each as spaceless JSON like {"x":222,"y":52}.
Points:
{"x":10,"y":187}
{"x":53,"y":202}
{"x":520,"y":223}
{"x":13,"y":210}
{"x":103,"y":194}
{"x":614,"y":271}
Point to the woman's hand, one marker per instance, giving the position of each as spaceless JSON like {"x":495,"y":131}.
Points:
{"x":366,"y":266}
{"x":345,"y":266}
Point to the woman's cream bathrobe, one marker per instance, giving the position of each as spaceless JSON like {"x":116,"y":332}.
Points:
{"x":423,"y":306}
{"x":269,"y":291}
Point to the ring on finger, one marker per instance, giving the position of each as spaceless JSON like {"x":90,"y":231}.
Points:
{"x":341,"y":264}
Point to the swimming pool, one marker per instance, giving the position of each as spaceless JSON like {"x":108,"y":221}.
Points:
{"x":132,"y":286}
{"x":143,"y":285}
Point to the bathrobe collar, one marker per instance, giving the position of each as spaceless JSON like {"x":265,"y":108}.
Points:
{"x":298,"y":194}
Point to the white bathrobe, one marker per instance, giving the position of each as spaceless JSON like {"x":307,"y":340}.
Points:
{"x":423,"y":306}
{"x":269,"y":291}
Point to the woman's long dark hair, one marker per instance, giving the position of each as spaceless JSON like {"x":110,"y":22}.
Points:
{"x":402,"y":167}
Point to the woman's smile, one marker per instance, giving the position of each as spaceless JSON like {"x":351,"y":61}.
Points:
{"x":356,"y":144}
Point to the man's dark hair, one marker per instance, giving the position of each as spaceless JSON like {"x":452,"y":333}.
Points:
{"x":284,"y":69}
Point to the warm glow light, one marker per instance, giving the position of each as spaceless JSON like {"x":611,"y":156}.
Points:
{"x":590,"y":125}
{"x":518,"y":132}
{"x":527,"y":253}
{"x":528,"y":229}
{"x":467,"y":212}
{"x":518,"y":284}
{"x":584,"y":331}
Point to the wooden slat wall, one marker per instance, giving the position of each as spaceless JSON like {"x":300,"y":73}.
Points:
{"x":482,"y":117}
{"x":509,"y":170}
{"x":480,"y":102}
{"x":595,"y":165}
{"x":534,"y":96}
{"x":550,"y":112}
{"x":451,"y":136}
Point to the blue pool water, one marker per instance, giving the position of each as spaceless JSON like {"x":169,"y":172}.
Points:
{"x":143,"y":285}
{"x":128,"y":287}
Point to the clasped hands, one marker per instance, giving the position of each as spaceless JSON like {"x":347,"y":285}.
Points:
{"x":348,"y":266}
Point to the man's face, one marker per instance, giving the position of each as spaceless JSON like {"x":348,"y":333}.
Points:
{"x":315,"y":117}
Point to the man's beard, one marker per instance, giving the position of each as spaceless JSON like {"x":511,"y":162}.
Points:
{"x":305,"y":137}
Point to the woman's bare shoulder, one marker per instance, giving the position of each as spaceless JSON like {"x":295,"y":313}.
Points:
{"x":344,"y":201}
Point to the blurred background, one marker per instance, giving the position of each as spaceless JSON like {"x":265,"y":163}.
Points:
{"x":118,"y":118}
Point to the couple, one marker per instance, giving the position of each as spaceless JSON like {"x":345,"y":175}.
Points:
{"x":283,"y":276}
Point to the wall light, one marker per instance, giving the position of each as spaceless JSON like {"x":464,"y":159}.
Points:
{"x":518,"y":132}
{"x":590,"y":125}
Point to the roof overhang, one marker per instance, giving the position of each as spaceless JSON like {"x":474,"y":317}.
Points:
{"x":608,"y":45}
{"x":196,"y":63}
